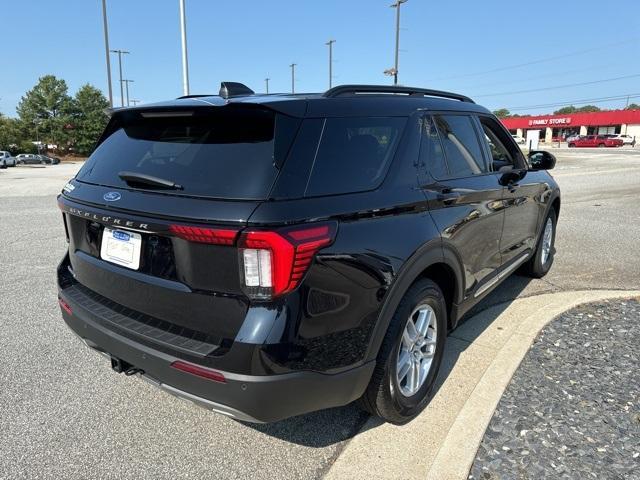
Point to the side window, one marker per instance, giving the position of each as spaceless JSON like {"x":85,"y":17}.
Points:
{"x":460,"y":144}
{"x":431,"y":152}
{"x":354,"y":154}
{"x":505,"y":154}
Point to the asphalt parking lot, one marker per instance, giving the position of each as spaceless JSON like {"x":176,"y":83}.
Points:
{"x":66,"y":415}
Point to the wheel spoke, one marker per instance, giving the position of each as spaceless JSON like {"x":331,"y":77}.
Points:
{"x":404,"y":364}
{"x":416,"y":377}
{"x":407,"y":341}
{"x":421,"y":323}
{"x":411,"y":331}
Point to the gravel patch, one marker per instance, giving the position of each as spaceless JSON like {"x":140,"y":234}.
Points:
{"x":572,"y":409}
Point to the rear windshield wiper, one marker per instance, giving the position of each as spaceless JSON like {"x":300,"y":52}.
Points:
{"x":139,"y":179}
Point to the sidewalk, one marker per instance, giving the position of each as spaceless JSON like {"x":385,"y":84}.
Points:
{"x":481,"y":357}
{"x":572,"y":410}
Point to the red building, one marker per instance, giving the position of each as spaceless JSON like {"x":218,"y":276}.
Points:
{"x":553,"y":126}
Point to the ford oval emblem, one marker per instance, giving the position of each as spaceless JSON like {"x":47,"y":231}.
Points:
{"x":112,"y":196}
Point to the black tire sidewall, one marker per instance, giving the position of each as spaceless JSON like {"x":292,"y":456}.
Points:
{"x":421,"y":293}
{"x":539,"y":267}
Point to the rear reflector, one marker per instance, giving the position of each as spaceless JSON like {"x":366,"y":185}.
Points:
{"x":213,"y":236}
{"x":199,"y":371}
{"x":65,"y":306}
{"x":274,"y":262}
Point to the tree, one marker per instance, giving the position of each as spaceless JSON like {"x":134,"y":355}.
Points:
{"x":45,"y":110}
{"x":502,"y":113}
{"x":10,"y":134}
{"x":565,"y":110}
{"x":633,"y":106}
{"x":89,"y":118}
{"x":588,"y":108}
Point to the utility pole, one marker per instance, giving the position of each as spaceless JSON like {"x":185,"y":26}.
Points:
{"x":266,"y":81}
{"x":394,"y":71}
{"x":135,"y":102}
{"x":120,"y":53}
{"x":330,"y":43}
{"x":185,"y":63}
{"x":127,"y":82}
{"x":293,"y":77}
{"x":106,"y":49}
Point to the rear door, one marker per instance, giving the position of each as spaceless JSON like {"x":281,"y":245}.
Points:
{"x":465,"y":199}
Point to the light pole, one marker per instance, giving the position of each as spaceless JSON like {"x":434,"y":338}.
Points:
{"x":266,"y":81}
{"x":120,"y":53}
{"x":106,"y":49}
{"x":127,"y":82}
{"x":293,"y":77}
{"x":135,"y":102}
{"x":330,"y":43}
{"x":394,"y":70}
{"x":185,"y":62}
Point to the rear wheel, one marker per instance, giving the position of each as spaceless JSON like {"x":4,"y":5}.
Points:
{"x":572,"y":145}
{"x":601,"y":145}
{"x":410,"y":356}
{"x":540,"y":263}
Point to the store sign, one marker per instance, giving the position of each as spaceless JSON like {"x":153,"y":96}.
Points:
{"x":543,"y":122}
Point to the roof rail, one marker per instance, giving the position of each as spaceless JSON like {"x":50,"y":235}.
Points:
{"x":411,"y":91}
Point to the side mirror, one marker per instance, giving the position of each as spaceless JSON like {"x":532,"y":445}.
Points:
{"x":541,"y":160}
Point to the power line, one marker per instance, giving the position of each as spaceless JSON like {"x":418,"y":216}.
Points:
{"x":577,"y":102}
{"x":536,"y":62}
{"x":593,"y":82}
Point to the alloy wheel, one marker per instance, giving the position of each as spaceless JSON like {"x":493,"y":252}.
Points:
{"x":417,"y":350}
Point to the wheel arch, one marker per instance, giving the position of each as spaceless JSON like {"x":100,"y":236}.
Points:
{"x":434,"y":261}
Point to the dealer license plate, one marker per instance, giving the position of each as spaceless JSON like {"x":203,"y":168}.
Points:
{"x":121,"y":247}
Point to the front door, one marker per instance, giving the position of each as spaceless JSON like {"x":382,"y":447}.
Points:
{"x":520,"y":195}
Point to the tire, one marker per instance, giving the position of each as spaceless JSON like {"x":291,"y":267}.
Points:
{"x":42,"y":162}
{"x":601,"y":145}
{"x":386,"y":396}
{"x":572,"y":145}
{"x":540,"y":264}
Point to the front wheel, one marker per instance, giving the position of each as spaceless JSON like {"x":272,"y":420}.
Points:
{"x":410,"y":356}
{"x":540,"y":263}
{"x":601,"y":145}
{"x":572,"y":145}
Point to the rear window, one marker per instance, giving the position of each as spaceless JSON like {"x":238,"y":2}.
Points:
{"x":353,"y":154}
{"x":231,"y":152}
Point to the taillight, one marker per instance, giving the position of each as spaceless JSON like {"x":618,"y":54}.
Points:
{"x":213,"y":236}
{"x":273,"y":263}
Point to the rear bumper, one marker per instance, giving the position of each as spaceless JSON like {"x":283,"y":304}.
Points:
{"x":265,"y":398}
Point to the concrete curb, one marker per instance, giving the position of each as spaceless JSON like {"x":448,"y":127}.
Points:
{"x":481,"y":357}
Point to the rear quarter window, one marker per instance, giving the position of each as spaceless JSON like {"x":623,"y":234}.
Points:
{"x":353,"y":154}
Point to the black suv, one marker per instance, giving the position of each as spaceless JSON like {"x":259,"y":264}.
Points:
{"x":270,"y":255}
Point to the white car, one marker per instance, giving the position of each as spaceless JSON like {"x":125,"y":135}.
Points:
{"x":519,"y":140}
{"x":626,"y":139}
{"x":6,"y":160}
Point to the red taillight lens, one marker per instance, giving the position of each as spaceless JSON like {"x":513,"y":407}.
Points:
{"x":213,"y":236}
{"x":65,"y":306}
{"x":199,"y":371}
{"x":274,"y":262}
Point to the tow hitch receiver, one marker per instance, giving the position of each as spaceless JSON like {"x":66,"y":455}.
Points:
{"x":120,"y":366}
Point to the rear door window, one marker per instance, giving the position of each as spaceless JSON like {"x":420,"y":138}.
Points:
{"x":231,"y":152}
{"x":353,"y":154}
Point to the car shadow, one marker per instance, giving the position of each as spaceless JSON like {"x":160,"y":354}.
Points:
{"x":328,"y":427}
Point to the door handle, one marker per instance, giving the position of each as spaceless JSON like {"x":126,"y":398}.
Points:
{"x":447,"y":197}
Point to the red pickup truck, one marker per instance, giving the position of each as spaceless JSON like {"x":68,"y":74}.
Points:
{"x":596,"y":141}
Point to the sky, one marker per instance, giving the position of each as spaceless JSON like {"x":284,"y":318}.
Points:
{"x":524,"y":56}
